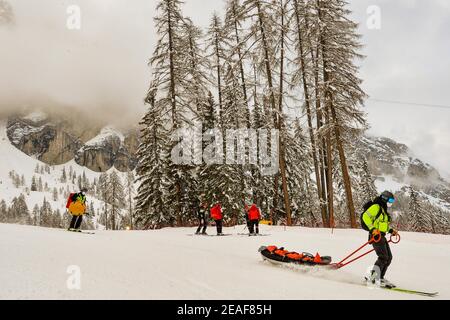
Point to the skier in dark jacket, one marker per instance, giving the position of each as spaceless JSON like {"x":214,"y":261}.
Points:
{"x":77,"y":209}
{"x":201,"y":214}
{"x":377,"y":220}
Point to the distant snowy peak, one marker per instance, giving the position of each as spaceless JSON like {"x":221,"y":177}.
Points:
{"x":59,"y":139}
{"x":36,"y":117}
{"x":105,"y":135}
{"x":396,"y":168}
{"x":110,"y":148}
{"x":387,"y":157}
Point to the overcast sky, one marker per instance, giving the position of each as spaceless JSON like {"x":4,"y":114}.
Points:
{"x":103,"y":67}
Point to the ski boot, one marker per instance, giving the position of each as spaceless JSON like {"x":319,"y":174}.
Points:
{"x":384,"y":283}
{"x":371,"y":277}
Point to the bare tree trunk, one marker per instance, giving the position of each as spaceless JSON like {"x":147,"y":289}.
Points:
{"x":277,"y":115}
{"x":330,"y":174}
{"x":344,"y":168}
{"x":309,"y":113}
{"x":241,"y":64}
{"x":322,"y":156}
{"x":282,"y":155}
{"x":172,"y":90}
{"x":219,"y":74}
{"x":342,"y":158}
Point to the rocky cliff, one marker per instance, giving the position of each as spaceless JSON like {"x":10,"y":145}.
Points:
{"x":57,"y":140}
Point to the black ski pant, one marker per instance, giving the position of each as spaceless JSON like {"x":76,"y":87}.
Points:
{"x":202,"y":224}
{"x":76,"y":222}
{"x":219,"y":226}
{"x":252,"y":224}
{"x":384,"y":254}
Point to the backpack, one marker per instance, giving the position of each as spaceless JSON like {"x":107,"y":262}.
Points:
{"x":365,"y":208}
{"x":70,"y":200}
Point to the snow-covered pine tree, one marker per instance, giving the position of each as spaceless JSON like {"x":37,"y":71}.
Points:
{"x":231,"y":179}
{"x":420,"y":219}
{"x":299,"y":164}
{"x":116,"y":198}
{"x":55,"y":194}
{"x":234,"y":19}
{"x":3,"y":211}
{"x":216,"y":43}
{"x":169,"y":72}
{"x":63,"y":178}
{"x":152,"y":210}
{"x":103,"y":183}
{"x":35,"y":215}
{"x":342,"y":94}
{"x":40,"y":186}
{"x":270,"y":50}
{"x":57,"y":221}
{"x":33,"y":184}
{"x":130,"y":193}
{"x":19,"y":210}
{"x":304,"y":75}
{"x":45,"y":214}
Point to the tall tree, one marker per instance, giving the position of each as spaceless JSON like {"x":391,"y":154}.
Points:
{"x":342,"y":94}
{"x":130,"y":193}
{"x":116,"y":198}
{"x":268,"y":58}
{"x":151,"y":199}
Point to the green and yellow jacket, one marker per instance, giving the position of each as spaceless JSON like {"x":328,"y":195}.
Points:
{"x":376,"y":217}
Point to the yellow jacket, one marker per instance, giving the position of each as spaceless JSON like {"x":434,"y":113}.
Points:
{"x":382,"y":223}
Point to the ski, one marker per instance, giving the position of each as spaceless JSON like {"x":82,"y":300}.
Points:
{"x":255,"y":235}
{"x":421,"y":293}
{"x":209,"y":235}
{"x":85,"y":232}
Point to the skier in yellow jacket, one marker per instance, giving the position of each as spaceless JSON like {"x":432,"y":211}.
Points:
{"x":77,"y":209}
{"x":376,"y":220}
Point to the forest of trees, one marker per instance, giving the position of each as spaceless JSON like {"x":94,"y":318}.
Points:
{"x":288,"y":65}
{"x":116,"y":190}
{"x":40,"y":215}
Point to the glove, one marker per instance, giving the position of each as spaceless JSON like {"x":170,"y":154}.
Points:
{"x":375,"y":232}
{"x":393,"y":232}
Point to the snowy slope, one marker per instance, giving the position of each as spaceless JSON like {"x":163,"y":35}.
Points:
{"x":12,"y":159}
{"x":169,"y":264}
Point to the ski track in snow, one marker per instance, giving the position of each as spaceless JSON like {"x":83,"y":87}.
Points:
{"x":168,"y":264}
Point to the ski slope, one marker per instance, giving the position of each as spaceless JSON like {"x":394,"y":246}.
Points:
{"x":12,"y":159}
{"x":170,"y":264}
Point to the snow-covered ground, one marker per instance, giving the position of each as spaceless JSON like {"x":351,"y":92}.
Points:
{"x":170,"y":264}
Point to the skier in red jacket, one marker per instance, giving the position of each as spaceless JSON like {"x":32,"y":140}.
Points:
{"x":216,"y":214}
{"x":254,"y":215}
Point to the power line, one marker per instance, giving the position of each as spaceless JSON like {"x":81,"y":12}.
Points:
{"x":412,"y":103}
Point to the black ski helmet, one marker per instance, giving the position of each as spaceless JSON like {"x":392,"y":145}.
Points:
{"x":386,"y":195}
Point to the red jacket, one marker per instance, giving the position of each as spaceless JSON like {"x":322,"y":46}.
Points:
{"x":216,"y":212}
{"x":253,"y":213}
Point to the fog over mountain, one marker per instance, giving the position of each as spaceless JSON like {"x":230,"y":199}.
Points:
{"x":101,"y":70}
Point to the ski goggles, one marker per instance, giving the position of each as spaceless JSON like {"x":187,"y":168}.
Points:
{"x":391,"y":200}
